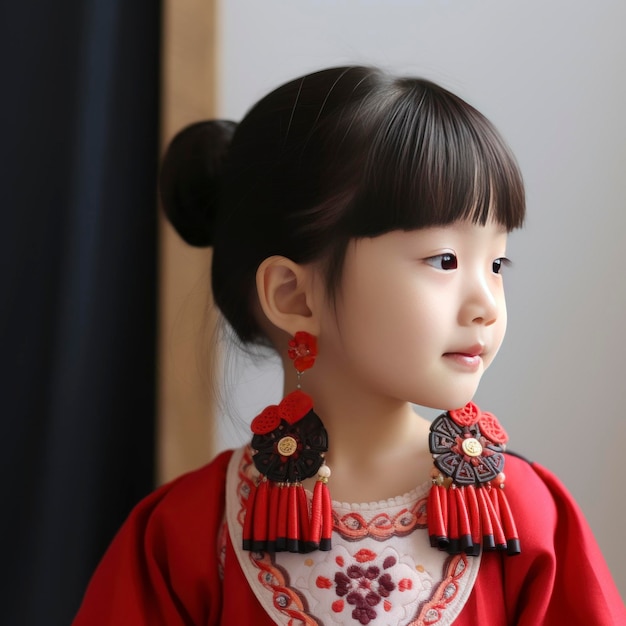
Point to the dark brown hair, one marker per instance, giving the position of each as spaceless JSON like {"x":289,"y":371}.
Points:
{"x":339,"y":154}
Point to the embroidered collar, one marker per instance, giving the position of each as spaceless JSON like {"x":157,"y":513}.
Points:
{"x":381,"y":568}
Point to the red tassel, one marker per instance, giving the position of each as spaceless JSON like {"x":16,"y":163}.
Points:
{"x":255,"y":524}
{"x":453,"y":522}
{"x":277,"y":518}
{"x":315,"y":529}
{"x":474,"y":516}
{"x":437,"y":518}
{"x":489,"y":542}
{"x":327,"y":518}
{"x":321,"y":528}
{"x":303,"y":518}
{"x":466,"y":518}
{"x":498,"y":532}
{"x":283,"y":508}
{"x":443,"y":497}
{"x":293,"y":527}
{"x":261,"y":511}
{"x":510,"y":530}
{"x":430,"y":515}
{"x":272,"y":524}
{"x":465,"y":530}
{"x":493,"y":494}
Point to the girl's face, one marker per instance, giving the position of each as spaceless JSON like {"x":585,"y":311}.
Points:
{"x":420,"y":315}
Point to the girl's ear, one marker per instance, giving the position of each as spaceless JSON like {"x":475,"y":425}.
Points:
{"x":286,"y":295}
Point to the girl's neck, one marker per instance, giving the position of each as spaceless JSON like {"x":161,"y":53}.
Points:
{"x":378,"y":447}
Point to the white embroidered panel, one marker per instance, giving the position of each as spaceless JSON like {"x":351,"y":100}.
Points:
{"x":380,"y":571}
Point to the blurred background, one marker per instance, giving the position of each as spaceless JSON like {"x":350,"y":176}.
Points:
{"x":112,"y":382}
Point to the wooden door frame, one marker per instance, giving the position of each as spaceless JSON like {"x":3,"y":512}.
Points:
{"x":186,"y":350}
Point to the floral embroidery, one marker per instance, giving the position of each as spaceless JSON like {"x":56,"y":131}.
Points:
{"x":365,"y":586}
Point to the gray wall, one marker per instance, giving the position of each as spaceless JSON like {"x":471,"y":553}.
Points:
{"x":551,"y":76}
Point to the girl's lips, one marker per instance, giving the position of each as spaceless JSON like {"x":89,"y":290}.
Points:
{"x":474,"y":350}
{"x":469,"y":361}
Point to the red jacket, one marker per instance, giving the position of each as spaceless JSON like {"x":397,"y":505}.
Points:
{"x":163,"y":568}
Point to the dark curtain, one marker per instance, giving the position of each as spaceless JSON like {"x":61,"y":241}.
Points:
{"x":79,"y":93}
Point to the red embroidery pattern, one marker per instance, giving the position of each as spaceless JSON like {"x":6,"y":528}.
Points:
{"x":363,"y":585}
{"x":246,"y":482}
{"x":433,"y":610}
{"x":286,"y":600}
{"x":354,"y":526}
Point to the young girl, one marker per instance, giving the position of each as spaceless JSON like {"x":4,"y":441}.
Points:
{"x":359,"y":225}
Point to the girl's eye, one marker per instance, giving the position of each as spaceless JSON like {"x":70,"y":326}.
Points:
{"x":498,"y":264}
{"x":445,"y":261}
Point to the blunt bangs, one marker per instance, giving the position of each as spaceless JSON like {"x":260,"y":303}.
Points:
{"x":432,"y":160}
{"x":344,"y":153}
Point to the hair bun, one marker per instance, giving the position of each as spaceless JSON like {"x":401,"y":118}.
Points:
{"x":191,"y":178}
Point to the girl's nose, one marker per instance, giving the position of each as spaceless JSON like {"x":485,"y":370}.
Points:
{"x":481,"y":304}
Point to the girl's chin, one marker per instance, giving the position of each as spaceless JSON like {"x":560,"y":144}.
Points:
{"x":448,"y":402}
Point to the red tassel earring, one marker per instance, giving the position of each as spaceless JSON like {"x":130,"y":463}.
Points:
{"x":288,"y":443}
{"x":467,"y":505}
